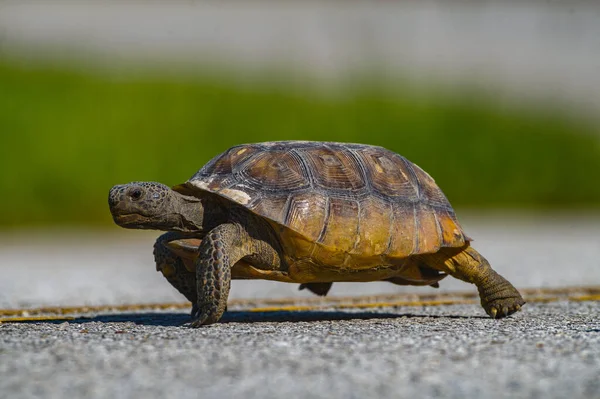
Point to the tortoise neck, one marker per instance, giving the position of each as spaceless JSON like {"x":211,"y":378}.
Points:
{"x":196,"y":215}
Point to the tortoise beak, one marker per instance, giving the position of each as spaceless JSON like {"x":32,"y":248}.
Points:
{"x":129,"y":219}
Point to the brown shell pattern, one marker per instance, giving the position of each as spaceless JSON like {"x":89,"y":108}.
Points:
{"x":353,"y":198}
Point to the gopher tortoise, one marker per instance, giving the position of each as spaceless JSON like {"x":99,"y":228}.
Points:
{"x":305,"y":212}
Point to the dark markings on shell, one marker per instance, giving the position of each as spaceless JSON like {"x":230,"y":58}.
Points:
{"x":297,"y":184}
{"x":325,"y":221}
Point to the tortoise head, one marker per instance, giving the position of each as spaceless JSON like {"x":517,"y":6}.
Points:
{"x":150,"y":205}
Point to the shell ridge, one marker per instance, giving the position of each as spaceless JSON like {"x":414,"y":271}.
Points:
{"x":391,"y":228}
{"x":362,"y":168}
{"x":300,"y":156}
{"x":415,"y":180}
{"x":438,"y":228}
{"x":286,"y":210}
{"x":416,"y":237}
{"x":358,"y":223}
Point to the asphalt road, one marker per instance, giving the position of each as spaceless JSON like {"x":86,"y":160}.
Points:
{"x":549,"y":350}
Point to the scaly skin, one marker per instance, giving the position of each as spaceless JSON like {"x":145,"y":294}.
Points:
{"x":222,"y":248}
{"x":498,"y":296}
{"x":171,"y":261}
{"x":218,"y":253}
{"x":173,"y":268}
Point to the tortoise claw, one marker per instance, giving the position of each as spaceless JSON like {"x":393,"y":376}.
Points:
{"x":198,"y":317}
{"x":196,"y":324}
{"x":501,"y":310}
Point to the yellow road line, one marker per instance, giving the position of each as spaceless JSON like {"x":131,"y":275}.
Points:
{"x":361,"y":305}
{"x":91,"y":309}
{"x":34,"y":318}
{"x":306,"y":304}
{"x":585,"y":298}
{"x":527,"y":292}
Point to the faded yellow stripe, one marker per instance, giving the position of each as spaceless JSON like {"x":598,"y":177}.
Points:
{"x":303,"y":304}
{"x":34,"y":318}
{"x":585,"y":298}
{"x":90,"y":309}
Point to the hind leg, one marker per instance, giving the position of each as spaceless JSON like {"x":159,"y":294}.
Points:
{"x":171,"y":254}
{"x":498,"y":296}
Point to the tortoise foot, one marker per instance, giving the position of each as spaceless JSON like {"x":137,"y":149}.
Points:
{"x":499,"y":298}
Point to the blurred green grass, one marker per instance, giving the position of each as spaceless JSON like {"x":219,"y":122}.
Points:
{"x":68,"y":136}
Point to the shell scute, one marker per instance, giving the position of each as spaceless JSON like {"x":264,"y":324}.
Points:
{"x":308,"y":213}
{"x":272,"y":207}
{"x":340,"y":228}
{"x":375,"y":220}
{"x":334,"y":169}
{"x":451,"y":231}
{"x":388,"y":174}
{"x":403,"y":231}
{"x":276,"y":170}
{"x":428,"y":189}
{"x":428,"y":232}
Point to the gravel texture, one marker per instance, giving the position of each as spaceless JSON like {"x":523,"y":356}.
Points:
{"x":548,"y":350}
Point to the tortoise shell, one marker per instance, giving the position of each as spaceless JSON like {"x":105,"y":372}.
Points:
{"x":339,"y":204}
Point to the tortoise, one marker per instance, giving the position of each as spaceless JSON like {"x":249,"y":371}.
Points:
{"x":305,"y":212}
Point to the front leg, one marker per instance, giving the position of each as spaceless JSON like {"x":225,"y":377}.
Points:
{"x":176,"y":264}
{"x":222,"y":248}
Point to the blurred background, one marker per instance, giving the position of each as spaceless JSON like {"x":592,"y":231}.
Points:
{"x":498,"y":101}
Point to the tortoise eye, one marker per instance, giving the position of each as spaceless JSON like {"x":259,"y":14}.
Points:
{"x":135,"y":194}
